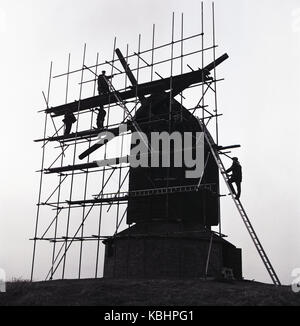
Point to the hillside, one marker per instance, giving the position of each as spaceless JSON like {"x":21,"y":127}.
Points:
{"x":108,"y":292}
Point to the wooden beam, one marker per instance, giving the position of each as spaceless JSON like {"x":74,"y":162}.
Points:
{"x":179,"y":82}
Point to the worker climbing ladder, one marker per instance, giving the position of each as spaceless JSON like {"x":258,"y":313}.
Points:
{"x":237,"y":202}
{"x":240,"y":208}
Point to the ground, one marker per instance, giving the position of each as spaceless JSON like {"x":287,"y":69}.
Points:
{"x":108,"y":292}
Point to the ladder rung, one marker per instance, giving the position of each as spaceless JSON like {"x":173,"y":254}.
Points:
{"x":241,"y":210}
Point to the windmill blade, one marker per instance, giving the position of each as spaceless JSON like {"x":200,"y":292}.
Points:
{"x":180,"y":84}
{"x":157,"y":86}
{"x":126,"y":68}
{"x":129,"y":73}
{"x":92,"y":149}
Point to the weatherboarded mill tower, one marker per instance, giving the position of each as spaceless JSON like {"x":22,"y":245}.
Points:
{"x":106,"y":217}
{"x":171,"y":215}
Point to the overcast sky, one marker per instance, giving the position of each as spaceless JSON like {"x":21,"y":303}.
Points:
{"x":259,"y":98}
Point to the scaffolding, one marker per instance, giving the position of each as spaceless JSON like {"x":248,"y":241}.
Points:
{"x":87,"y":199}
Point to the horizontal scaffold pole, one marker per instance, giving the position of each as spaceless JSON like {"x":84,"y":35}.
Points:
{"x":82,"y":134}
{"x":91,"y":165}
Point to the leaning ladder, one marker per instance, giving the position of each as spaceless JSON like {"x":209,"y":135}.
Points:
{"x":127,"y":111}
{"x":122,"y":103}
{"x":241,"y":209}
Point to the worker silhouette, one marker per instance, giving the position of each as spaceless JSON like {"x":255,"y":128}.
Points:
{"x":68,"y":121}
{"x":100,"y":117}
{"x":103,"y":87}
{"x":236,"y":177}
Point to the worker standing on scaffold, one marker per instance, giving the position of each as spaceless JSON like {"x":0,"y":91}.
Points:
{"x":68,"y":120}
{"x":236,"y":177}
{"x":100,"y":118}
{"x":103,"y":87}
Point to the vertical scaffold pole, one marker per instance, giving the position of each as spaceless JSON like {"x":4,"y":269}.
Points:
{"x":120,"y":182}
{"x":152,"y":52}
{"x":171,"y":103}
{"x":41,"y":177}
{"x":112,"y":72}
{"x":74,"y":159}
{"x":128,"y":245}
{"x":215,"y":73}
{"x":182,"y":58}
{"x":203,"y":88}
{"x":104,"y":173}
{"x":202,"y":64}
{"x":138,"y":71}
{"x":216,"y":97}
{"x":152,"y":61}
{"x":171,"y":73}
{"x":122,"y":148}
{"x":124,"y":115}
{"x":87,"y":177}
{"x":60,"y":177}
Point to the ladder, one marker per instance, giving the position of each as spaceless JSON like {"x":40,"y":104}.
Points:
{"x":240,"y":208}
{"x":121,"y":103}
{"x":124,"y":107}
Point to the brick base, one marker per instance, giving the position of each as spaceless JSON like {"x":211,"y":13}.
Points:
{"x":149,"y":252}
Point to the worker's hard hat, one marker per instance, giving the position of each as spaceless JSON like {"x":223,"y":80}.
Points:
{"x":235,"y":159}
{"x":103,"y":72}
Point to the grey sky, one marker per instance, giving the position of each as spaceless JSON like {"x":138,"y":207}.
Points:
{"x":259,"y":98}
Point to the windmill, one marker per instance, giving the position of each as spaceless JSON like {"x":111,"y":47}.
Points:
{"x":169,"y":217}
